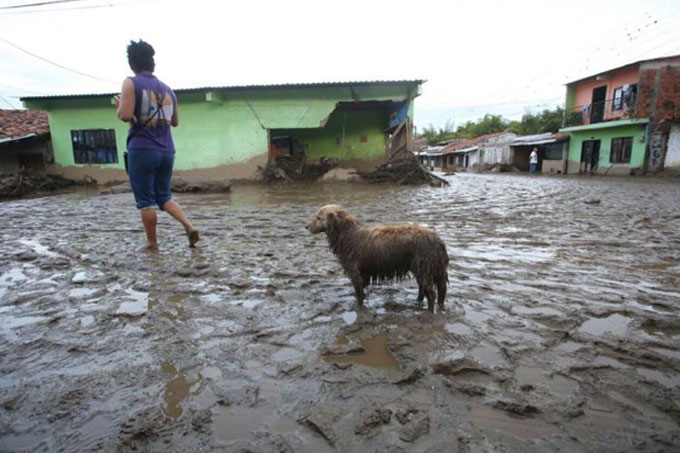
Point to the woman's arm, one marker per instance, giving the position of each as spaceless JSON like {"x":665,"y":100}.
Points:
{"x":174,"y":121}
{"x":126,"y":109}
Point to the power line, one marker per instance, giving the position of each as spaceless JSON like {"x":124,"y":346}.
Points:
{"x":56,"y":64}
{"x":21,"y":89}
{"x":30,"y":5}
{"x":75,"y":8}
{"x":7,"y":102}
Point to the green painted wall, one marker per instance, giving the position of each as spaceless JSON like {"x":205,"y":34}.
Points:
{"x":223,"y":127}
{"x":605,"y":136}
{"x":341,"y":137}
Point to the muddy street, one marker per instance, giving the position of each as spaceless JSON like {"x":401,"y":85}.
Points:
{"x":561,"y":328}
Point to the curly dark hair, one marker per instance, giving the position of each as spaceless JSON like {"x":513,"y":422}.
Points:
{"x":140,"y":56}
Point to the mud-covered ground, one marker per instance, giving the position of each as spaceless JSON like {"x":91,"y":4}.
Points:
{"x":561,"y":331}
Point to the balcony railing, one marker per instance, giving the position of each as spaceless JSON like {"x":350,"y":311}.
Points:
{"x":597,"y":112}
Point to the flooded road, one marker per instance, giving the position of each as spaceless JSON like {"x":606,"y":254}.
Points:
{"x":561,"y":328}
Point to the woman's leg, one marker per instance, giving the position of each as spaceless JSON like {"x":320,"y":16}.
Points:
{"x":141,"y":169}
{"x":165,"y":201}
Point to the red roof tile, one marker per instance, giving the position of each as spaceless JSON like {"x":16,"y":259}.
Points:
{"x":18,"y":123}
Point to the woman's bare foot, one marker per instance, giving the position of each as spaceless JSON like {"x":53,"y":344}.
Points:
{"x":149,"y":248}
{"x":193,"y":237}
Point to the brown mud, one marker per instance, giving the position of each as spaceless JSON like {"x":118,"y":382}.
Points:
{"x":561,"y":329}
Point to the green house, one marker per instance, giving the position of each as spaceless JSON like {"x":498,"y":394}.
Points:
{"x":230,"y":132}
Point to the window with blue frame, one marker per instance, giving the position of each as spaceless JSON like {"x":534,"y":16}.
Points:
{"x":94,"y":146}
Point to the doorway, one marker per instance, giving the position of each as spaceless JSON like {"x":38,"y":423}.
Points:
{"x":598,"y":104}
{"x":590,"y":156}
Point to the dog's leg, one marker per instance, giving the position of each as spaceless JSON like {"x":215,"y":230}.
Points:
{"x":358,"y":283}
{"x":429,"y":293}
{"x":421,"y":294}
{"x":441,"y":292}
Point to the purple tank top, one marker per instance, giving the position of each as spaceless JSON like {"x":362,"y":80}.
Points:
{"x":155,"y":104}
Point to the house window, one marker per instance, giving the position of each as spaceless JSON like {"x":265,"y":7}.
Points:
{"x":623,"y":96}
{"x":94,"y":146}
{"x":621,"y":149}
{"x":617,"y":103}
{"x":552,"y":151}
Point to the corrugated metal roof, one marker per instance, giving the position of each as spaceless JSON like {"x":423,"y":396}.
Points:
{"x":539,"y":139}
{"x":4,"y":140}
{"x":247,"y":87}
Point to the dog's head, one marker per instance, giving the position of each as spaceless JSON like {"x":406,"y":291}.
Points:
{"x":329,"y":216}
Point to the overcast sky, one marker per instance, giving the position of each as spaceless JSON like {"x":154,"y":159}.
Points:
{"x":502,"y":57}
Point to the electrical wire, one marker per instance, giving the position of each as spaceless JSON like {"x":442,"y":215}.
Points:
{"x":76,"y":8}
{"x":56,"y":64}
{"x":30,"y":5}
{"x":7,"y":102}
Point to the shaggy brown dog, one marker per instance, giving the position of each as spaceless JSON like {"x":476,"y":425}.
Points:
{"x":385,"y":253}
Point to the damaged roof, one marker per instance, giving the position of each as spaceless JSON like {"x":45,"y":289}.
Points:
{"x":248,"y":87}
{"x":17,"y":124}
{"x":467,"y":144}
{"x":639,"y":62}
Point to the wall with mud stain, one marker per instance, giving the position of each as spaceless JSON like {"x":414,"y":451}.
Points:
{"x":605,"y":135}
{"x":347,"y":135}
{"x":230,"y":127}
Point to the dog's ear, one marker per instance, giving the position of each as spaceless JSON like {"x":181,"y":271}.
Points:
{"x":331,"y":217}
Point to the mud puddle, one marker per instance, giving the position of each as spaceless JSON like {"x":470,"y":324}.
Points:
{"x":560,"y":330}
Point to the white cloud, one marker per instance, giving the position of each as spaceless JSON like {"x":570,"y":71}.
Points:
{"x":502,"y":55}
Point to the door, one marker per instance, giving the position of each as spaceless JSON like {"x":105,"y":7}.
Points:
{"x":590,"y":156}
{"x":598,"y":104}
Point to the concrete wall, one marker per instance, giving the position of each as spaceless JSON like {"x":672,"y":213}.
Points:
{"x":497,"y":155}
{"x":223,"y":133}
{"x":605,"y":135}
{"x":348,"y":136}
{"x":673,"y":147}
{"x":659,"y":90}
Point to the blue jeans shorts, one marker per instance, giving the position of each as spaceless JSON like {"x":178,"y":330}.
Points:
{"x":150,"y":172}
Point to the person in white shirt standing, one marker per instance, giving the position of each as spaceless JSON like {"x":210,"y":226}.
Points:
{"x":533,"y":160}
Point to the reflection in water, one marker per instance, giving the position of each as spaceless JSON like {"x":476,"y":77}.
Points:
{"x":374,"y":354}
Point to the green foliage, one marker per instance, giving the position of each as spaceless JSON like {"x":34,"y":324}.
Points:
{"x":435,"y":135}
{"x":489,"y":124}
{"x":531,"y":123}
{"x":538,"y":123}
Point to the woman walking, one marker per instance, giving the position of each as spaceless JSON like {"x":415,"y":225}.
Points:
{"x":150,"y":106}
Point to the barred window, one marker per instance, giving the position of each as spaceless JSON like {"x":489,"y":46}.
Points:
{"x":621,"y":149}
{"x":94,"y":146}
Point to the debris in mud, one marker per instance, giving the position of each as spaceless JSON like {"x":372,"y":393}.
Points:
{"x":371,"y":417}
{"x":322,"y":418}
{"x":181,"y":185}
{"x":411,"y":376}
{"x":513,"y":406}
{"x":286,"y":169}
{"x":592,"y":201}
{"x":458,"y":366}
{"x":403,"y":171}
{"x":417,"y":426}
{"x":20,"y":184}
{"x":499,"y":168}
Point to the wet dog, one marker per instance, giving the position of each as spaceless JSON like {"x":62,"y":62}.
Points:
{"x":385,"y":253}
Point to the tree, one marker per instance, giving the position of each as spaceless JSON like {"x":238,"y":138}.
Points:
{"x":531,"y":123}
{"x":538,"y":123}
